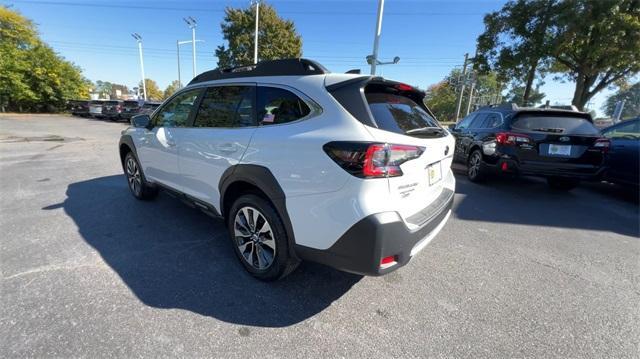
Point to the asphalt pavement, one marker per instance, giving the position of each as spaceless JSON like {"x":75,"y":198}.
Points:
{"x":87,"y":271}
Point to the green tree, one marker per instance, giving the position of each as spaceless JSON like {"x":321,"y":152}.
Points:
{"x":153,"y":91}
{"x":517,"y":43}
{"x":442,"y":97}
{"x":278,"y":38}
{"x":441,"y":100}
{"x":171,"y":89}
{"x":631,"y":96}
{"x":516,"y":95}
{"x":598,"y":44}
{"x":103,"y":88}
{"x":32,"y":76}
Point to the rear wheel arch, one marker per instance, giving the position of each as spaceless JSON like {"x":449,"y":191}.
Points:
{"x":246,"y":178}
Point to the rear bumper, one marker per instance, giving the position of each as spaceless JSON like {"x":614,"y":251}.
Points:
{"x":361,"y":248}
{"x":546,"y":169}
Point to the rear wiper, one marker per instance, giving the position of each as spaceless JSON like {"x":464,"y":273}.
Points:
{"x":426,"y":131}
{"x":552,"y":130}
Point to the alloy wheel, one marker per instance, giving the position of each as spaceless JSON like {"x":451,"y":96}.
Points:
{"x":474,"y":165}
{"x":254,"y":238}
{"x":133,"y":176}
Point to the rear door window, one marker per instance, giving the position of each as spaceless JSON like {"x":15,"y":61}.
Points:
{"x":227,"y":107}
{"x":396,"y":113}
{"x":479,"y":121}
{"x":558,"y":124}
{"x":276,"y":105}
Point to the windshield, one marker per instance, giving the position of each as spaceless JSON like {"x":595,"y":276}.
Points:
{"x":398,"y":113}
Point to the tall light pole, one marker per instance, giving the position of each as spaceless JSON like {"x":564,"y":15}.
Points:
{"x":255,"y":34}
{"x":139,"y":39}
{"x":192,"y":25}
{"x":178,"y":43}
{"x":464,"y":79}
{"x":376,"y":38}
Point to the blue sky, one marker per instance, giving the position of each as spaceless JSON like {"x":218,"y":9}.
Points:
{"x":430,"y":37}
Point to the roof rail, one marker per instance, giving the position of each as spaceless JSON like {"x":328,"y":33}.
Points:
{"x":282,"y":67}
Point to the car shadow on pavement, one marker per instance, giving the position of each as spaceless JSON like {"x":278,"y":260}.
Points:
{"x":173,"y":256}
{"x":529,"y":201}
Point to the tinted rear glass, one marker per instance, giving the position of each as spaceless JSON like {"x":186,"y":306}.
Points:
{"x":96,"y":102}
{"x":112,"y":102}
{"x":131,"y":103}
{"x":398,"y":113}
{"x":566,"y":125}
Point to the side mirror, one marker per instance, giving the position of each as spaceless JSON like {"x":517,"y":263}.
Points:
{"x":141,"y":121}
{"x":452,"y":127}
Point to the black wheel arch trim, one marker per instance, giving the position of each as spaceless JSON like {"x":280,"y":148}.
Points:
{"x":261,"y":178}
{"x":128,"y":141}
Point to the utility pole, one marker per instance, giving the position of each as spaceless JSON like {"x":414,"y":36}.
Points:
{"x":464,"y":79}
{"x":376,"y":38}
{"x":192,"y":25}
{"x":255,"y":34}
{"x":473,"y":85}
{"x":178,"y":52}
{"x":144,"y":85}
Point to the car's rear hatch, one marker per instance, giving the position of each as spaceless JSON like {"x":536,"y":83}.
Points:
{"x":130,"y":107}
{"x":111,"y":107}
{"x":397,"y":116}
{"x":560,"y":139}
{"x":95,"y":107}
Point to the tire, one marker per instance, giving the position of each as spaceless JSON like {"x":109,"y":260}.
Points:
{"x":562,"y":183}
{"x":474,"y":167}
{"x":259,"y":239}
{"x":136,"y":182}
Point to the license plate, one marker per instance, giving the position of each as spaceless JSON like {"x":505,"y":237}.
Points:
{"x":434,"y":171}
{"x":559,"y":150}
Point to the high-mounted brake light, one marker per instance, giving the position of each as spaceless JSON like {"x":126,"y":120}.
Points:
{"x":509,"y":138}
{"x":404,"y":87}
{"x":371,"y":160}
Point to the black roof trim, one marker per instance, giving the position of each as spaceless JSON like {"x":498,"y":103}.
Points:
{"x":283,"y":67}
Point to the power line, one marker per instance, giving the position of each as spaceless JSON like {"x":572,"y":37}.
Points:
{"x":182,"y":9}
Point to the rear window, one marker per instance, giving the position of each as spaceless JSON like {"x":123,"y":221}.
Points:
{"x":567,"y":125}
{"x":96,"y":102}
{"x":396,"y":113}
{"x":112,"y":102}
{"x":131,"y":103}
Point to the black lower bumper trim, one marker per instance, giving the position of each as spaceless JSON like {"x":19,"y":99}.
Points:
{"x":374,"y":237}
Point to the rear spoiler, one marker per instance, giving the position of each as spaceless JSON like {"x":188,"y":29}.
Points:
{"x":350,"y":94}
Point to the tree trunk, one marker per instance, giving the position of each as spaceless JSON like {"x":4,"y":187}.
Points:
{"x":582,"y":95}
{"x":527,"y":88}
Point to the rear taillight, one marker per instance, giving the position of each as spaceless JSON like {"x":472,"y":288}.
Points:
{"x":371,"y":160}
{"x":603,"y":144}
{"x":509,"y":138}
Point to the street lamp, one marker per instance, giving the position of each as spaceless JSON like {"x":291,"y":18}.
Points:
{"x":255,"y":34}
{"x":192,"y":25}
{"x":178,"y":43}
{"x":138,"y":38}
{"x":370,"y":61}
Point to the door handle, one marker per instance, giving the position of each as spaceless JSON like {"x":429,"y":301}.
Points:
{"x":227,"y":147}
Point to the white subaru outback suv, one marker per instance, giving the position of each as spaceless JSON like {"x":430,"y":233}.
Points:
{"x":348,"y":170}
